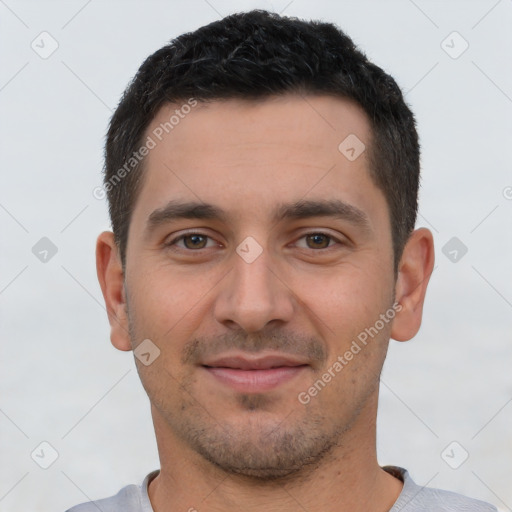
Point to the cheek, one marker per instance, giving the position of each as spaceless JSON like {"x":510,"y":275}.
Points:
{"x":169,"y":308}
{"x":164,"y":297}
{"x":348,"y":297}
{"x":348,"y":317}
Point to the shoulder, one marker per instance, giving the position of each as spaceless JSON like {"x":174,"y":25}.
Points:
{"x":126,"y":499}
{"x":131,"y":498}
{"x":415,"y":498}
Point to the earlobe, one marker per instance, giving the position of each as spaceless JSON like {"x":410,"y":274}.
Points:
{"x":415,"y":269}
{"x":111,"y":278}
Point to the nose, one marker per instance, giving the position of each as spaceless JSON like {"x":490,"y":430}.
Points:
{"x":253,"y":295}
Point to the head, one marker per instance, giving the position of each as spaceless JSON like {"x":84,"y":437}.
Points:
{"x":262,"y":178}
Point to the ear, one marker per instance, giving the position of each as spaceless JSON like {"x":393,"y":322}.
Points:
{"x":111,"y":278}
{"x":414,"y":270}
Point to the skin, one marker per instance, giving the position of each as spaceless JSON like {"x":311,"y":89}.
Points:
{"x":221,"y":449}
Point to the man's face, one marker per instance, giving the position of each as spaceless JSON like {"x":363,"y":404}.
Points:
{"x":249,"y":310}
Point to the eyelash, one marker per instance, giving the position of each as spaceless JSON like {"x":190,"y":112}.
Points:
{"x":174,"y":241}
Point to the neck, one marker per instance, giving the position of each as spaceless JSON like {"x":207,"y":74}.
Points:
{"x":347,"y":479}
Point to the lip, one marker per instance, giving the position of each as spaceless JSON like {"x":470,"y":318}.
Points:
{"x":254,"y":374}
{"x":254,"y":362}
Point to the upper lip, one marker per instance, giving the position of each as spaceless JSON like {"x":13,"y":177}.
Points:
{"x":245,"y":362}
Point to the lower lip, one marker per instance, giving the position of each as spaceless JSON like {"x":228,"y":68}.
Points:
{"x":255,"y":381}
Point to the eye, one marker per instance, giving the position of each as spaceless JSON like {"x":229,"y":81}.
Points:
{"x":318,"y":240}
{"x":191,"y":241}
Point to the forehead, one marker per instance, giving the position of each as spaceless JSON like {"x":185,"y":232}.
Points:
{"x":247,"y":156}
{"x":304,"y":124}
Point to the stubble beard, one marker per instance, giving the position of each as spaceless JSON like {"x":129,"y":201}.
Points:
{"x":263,"y":448}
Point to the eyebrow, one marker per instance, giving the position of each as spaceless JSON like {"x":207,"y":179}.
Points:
{"x":302,"y":209}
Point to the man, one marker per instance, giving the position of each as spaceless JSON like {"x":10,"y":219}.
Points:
{"x":262,"y":178}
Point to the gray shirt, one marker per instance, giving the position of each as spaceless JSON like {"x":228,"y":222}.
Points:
{"x":413,"y":498}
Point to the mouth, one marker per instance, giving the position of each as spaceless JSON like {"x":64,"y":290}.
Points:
{"x":254,"y":374}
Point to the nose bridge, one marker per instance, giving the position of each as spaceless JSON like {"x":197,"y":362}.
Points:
{"x":254,"y":278}
{"x":252,"y":294}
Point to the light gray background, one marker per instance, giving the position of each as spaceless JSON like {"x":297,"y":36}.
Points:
{"x":62,"y":381}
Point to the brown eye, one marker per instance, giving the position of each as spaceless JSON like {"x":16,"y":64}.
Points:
{"x":190,"y":242}
{"x":318,"y":240}
{"x":196,"y":241}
